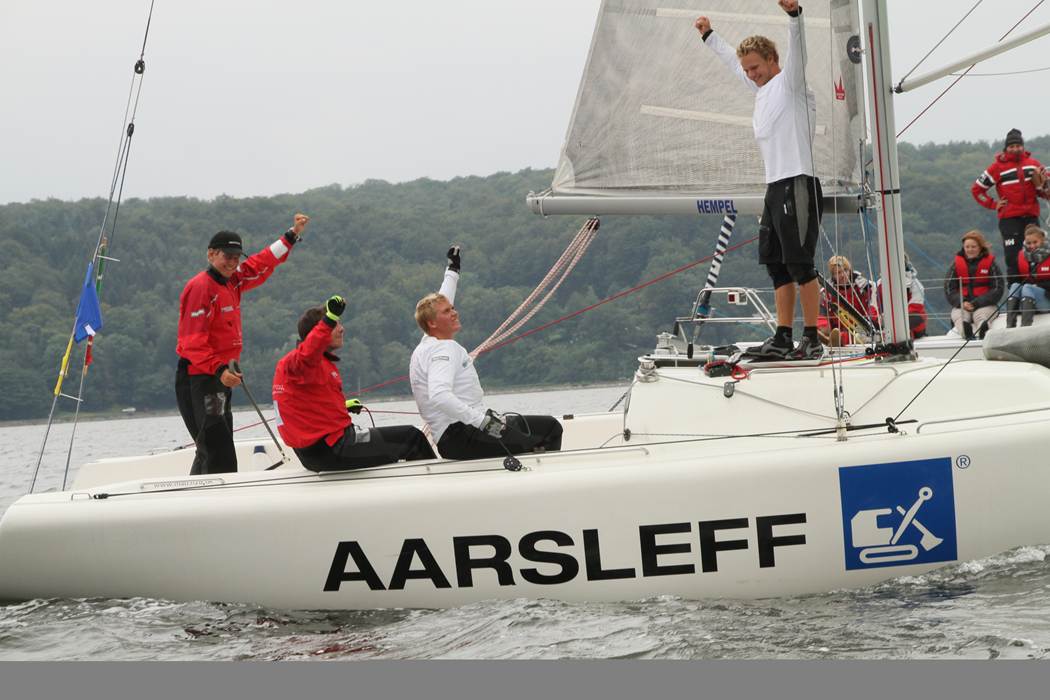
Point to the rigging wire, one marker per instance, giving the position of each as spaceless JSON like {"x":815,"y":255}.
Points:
{"x":962,"y":75}
{"x":99,"y":256}
{"x":577,"y":312}
{"x":837,"y":374}
{"x":943,"y":38}
{"x":996,"y":75}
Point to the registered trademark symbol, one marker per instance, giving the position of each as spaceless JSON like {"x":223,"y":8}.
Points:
{"x":962,"y":461}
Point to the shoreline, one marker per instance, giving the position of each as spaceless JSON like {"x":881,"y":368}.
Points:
{"x":165,"y":412}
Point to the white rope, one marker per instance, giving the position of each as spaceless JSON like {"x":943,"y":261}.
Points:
{"x":553,"y":279}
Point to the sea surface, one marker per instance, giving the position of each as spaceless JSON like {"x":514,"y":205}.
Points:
{"x":992,"y":608}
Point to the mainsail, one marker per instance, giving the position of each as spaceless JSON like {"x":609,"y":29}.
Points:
{"x":659,"y":119}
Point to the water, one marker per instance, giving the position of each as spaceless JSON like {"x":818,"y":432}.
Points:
{"x":994,"y":608}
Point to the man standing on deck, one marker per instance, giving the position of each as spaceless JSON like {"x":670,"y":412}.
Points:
{"x":1019,"y":181}
{"x":784,"y":122}
{"x":209,"y":341}
{"x":448,"y":393}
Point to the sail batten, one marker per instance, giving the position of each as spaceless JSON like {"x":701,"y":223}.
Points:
{"x":656,"y":111}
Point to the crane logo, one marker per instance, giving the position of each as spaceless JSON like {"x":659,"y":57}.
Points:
{"x":881,"y":509}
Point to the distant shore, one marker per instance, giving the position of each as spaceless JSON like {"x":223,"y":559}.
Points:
{"x":243,"y":405}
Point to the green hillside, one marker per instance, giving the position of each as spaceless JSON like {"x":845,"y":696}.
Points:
{"x":382,"y":246}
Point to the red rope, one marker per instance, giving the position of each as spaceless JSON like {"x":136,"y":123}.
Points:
{"x":576,"y":313}
{"x":616,"y":296}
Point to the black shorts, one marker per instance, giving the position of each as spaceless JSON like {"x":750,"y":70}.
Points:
{"x":790,"y":223}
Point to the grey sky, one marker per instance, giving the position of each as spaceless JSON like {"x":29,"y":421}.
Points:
{"x":258,"y":97}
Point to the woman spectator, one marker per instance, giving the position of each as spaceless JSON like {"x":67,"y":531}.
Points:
{"x":973,"y":286}
{"x":1033,"y":265}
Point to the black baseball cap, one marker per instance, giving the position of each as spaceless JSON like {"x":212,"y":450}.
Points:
{"x":227,"y":241}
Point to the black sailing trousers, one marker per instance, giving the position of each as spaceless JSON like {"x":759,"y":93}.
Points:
{"x":367,"y":448}
{"x":523,"y":434}
{"x":204,"y":403}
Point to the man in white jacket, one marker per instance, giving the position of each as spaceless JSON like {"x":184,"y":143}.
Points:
{"x":448,"y":392}
{"x":784,"y":122}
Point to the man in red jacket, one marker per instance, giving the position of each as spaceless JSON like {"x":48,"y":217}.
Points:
{"x":312,"y":410}
{"x":1019,"y":181}
{"x":210,"y":340}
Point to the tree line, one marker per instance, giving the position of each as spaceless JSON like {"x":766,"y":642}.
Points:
{"x":382,"y":246}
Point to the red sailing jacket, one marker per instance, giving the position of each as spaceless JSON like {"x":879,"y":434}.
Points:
{"x":1040,"y":272}
{"x":1012,"y":177}
{"x":210,"y":309}
{"x":308,"y":392}
{"x":857,"y":293}
{"x":982,"y":282}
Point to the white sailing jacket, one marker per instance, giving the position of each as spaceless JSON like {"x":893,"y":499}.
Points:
{"x":444,"y":382}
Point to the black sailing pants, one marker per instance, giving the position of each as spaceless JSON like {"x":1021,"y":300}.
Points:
{"x":523,"y":434}
{"x":1012,"y":230}
{"x":204,"y":403}
{"x":356,"y":450}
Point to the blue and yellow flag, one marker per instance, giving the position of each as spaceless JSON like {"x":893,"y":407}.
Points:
{"x":89,"y":313}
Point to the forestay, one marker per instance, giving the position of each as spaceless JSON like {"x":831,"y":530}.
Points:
{"x":658,"y":115}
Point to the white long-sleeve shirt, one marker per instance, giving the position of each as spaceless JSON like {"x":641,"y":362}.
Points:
{"x":785,"y":116}
{"x":444,"y":382}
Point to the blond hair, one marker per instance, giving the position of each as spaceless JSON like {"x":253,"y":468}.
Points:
{"x":1034,"y":230}
{"x":840,"y":261}
{"x":425,"y":311}
{"x":761,"y":45}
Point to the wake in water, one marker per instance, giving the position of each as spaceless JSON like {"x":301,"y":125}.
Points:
{"x":992,"y":608}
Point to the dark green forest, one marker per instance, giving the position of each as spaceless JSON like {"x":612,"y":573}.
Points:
{"x":382,"y":246}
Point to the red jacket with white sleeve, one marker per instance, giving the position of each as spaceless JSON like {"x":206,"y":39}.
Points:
{"x":210,"y":309}
{"x":1012,"y":177}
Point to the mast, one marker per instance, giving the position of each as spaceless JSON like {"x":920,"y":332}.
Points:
{"x":887,"y":194}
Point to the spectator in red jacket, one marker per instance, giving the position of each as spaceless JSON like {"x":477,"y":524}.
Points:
{"x":209,"y":341}
{"x":1019,"y":182}
{"x":312,"y":412}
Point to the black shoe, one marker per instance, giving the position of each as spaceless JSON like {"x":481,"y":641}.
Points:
{"x":773,"y":349}
{"x":1027,"y":311}
{"x":1013,"y":306}
{"x":808,"y":349}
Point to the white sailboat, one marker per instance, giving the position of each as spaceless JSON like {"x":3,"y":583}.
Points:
{"x":774,"y":480}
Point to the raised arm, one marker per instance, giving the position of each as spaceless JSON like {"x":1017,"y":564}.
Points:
{"x":795,"y":53}
{"x":724,"y":51}
{"x":450,"y":281}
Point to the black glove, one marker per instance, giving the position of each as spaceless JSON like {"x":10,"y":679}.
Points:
{"x":493,"y":424}
{"x":453,"y":258}
{"x":334,"y":307}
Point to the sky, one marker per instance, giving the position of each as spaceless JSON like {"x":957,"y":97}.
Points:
{"x":261,"y":97}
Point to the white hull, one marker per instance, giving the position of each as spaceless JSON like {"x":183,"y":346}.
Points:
{"x":658,"y":514}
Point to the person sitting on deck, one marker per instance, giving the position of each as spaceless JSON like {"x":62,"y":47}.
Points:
{"x":312,"y":412}
{"x":448,"y":392}
{"x":1030,"y":294}
{"x":854,"y":289}
{"x":916,"y":301}
{"x":973,"y":285}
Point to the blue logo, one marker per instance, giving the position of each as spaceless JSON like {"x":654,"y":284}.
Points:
{"x":898,"y":513}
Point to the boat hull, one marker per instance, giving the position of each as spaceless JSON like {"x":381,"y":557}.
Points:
{"x":696,"y":520}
